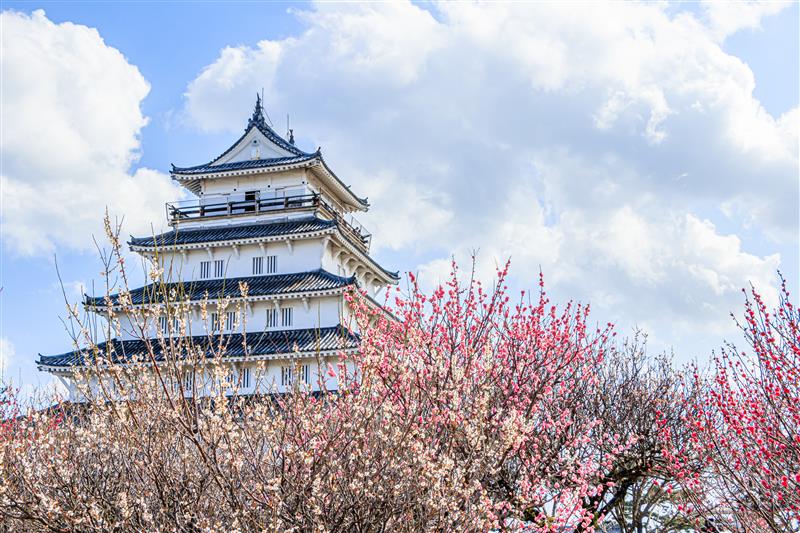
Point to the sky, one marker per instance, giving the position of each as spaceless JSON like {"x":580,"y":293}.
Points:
{"x":643,"y":156}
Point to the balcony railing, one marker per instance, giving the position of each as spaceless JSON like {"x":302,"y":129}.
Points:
{"x":253,"y":204}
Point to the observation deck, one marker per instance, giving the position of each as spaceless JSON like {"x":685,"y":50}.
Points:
{"x":254,"y":203}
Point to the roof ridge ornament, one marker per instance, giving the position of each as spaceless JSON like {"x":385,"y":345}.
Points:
{"x":258,"y":115}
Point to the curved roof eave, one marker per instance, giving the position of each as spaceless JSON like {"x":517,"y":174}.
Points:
{"x":272,"y":344}
{"x":284,"y":285}
{"x":393,"y":277}
{"x":361,"y":203}
{"x":248,"y":164}
{"x":236,"y":233}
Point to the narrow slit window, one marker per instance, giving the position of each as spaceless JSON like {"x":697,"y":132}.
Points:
{"x":272,"y":318}
{"x":272,"y":264}
{"x":214,"y":321}
{"x":286,"y":376}
{"x":245,"y":377}
{"x":230,"y":320}
{"x":286,"y":316}
{"x":219,"y":268}
{"x":205,"y":269}
{"x":164,"y":325}
{"x":258,"y":266}
{"x":188,"y":380}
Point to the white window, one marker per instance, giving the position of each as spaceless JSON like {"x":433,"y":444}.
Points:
{"x":272,"y":264}
{"x":286,"y":316}
{"x":163,"y":325}
{"x":258,"y":266}
{"x":288,"y":374}
{"x":214,"y":321}
{"x":230,"y":320}
{"x":272,"y":318}
{"x":219,"y":268}
{"x":205,"y":269}
{"x":188,"y":380}
{"x":239,"y":379}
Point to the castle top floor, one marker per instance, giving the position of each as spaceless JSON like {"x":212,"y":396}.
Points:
{"x":261,"y":164}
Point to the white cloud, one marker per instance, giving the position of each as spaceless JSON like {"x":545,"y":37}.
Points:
{"x":34,"y":388}
{"x":71,"y":126}
{"x":74,"y":290}
{"x":7,"y":353}
{"x":642,"y":264}
{"x":606,"y":144}
{"x":726,"y":18}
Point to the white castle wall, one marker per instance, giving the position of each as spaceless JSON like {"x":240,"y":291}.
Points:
{"x":270,"y":185}
{"x":327,"y":311}
{"x":301,"y":256}
{"x":265,"y":377}
{"x":295,"y":180}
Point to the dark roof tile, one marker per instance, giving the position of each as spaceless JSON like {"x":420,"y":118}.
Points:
{"x":304,"y":341}
{"x":243,"y":165}
{"x":230,"y":233}
{"x":276,"y":284}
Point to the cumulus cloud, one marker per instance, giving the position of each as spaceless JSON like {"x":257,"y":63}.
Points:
{"x":71,"y":126}
{"x":608,"y":154}
{"x":726,"y":18}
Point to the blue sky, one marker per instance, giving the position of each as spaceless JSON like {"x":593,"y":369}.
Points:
{"x":644,"y":156}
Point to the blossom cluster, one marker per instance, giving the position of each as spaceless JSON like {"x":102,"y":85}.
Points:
{"x":740,"y":465}
{"x":461,"y":410}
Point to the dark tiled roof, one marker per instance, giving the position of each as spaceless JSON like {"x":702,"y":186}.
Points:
{"x":316,"y":280}
{"x":230,"y":233}
{"x":243,"y":165}
{"x":261,"y":343}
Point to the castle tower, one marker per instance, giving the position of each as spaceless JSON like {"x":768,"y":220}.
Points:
{"x":276,"y":218}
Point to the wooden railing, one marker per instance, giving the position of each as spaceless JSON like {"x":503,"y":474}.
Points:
{"x":225,"y":206}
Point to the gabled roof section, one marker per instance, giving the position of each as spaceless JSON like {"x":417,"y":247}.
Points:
{"x":258,"y":121}
{"x":278,"y":155}
{"x":286,"y":151}
{"x":315,"y":281}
